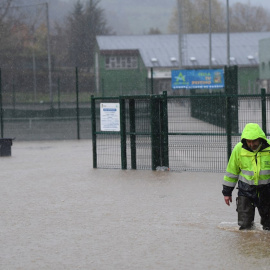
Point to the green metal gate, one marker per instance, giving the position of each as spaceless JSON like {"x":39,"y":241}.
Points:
{"x":141,"y":143}
{"x":157,"y":130}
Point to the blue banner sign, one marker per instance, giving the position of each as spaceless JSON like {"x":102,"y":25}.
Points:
{"x":202,"y":78}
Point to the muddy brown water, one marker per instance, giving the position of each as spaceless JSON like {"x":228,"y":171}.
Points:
{"x":57,"y":212}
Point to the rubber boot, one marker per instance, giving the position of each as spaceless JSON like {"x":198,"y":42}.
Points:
{"x":265,"y":218}
{"x":264,"y":208}
{"x":265,"y":223}
{"x":246,"y":213}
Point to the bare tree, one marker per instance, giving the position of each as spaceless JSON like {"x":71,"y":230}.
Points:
{"x":4,"y":7}
{"x":247,"y":18}
{"x":195,"y":17}
{"x":8,"y":40}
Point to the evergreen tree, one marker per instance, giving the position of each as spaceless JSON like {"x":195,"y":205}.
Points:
{"x":85,"y":23}
{"x":76,"y":35}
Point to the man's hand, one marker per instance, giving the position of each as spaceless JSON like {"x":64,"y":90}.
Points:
{"x":228,"y":199}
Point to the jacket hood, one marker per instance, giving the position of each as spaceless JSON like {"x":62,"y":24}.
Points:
{"x":252,"y":132}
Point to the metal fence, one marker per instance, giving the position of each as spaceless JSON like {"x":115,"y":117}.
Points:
{"x":157,"y":130}
{"x":26,"y":119}
{"x":40,"y":122}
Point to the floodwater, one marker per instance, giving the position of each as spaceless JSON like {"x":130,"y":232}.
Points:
{"x":57,"y":212}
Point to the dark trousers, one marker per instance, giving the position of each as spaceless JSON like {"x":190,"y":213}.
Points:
{"x":246,"y":213}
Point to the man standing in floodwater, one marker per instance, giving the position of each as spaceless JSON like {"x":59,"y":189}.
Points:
{"x":249,"y":165}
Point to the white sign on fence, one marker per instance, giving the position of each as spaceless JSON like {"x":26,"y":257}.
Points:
{"x":110,"y":116}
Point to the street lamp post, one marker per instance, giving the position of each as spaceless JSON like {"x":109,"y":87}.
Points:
{"x":180,"y":34}
{"x":228,"y":34}
{"x":49,"y":56}
{"x":210,"y":35}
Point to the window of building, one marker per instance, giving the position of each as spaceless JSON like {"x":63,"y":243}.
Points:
{"x":121,"y":62}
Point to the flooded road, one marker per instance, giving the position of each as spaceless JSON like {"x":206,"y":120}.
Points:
{"x":59,"y":213}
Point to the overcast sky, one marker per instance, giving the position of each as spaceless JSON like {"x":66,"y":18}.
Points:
{"x":263,"y":3}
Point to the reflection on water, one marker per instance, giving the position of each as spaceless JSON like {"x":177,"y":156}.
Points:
{"x":233,"y":226}
{"x":252,"y":244}
{"x":229,"y":226}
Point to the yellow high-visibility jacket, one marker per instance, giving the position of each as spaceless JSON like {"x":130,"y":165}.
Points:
{"x":252,"y":168}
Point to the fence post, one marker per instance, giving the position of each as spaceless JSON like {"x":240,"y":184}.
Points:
{"x":164,"y":131}
{"x":132,"y":133}
{"x":155,"y":131}
{"x":58,"y":94}
{"x":13,"y":95}
{"x":228,"y":127}
{"x":77,"y":105}
{"x":231,"y":88}
{"x":123,"y":133}
{"x":1,"y":107}
{"x":263,"y":98}
{"x":94,"y":136}
{"x":146,"y":85}
{"x":152,"y":81}
{"x":102,"y":87}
